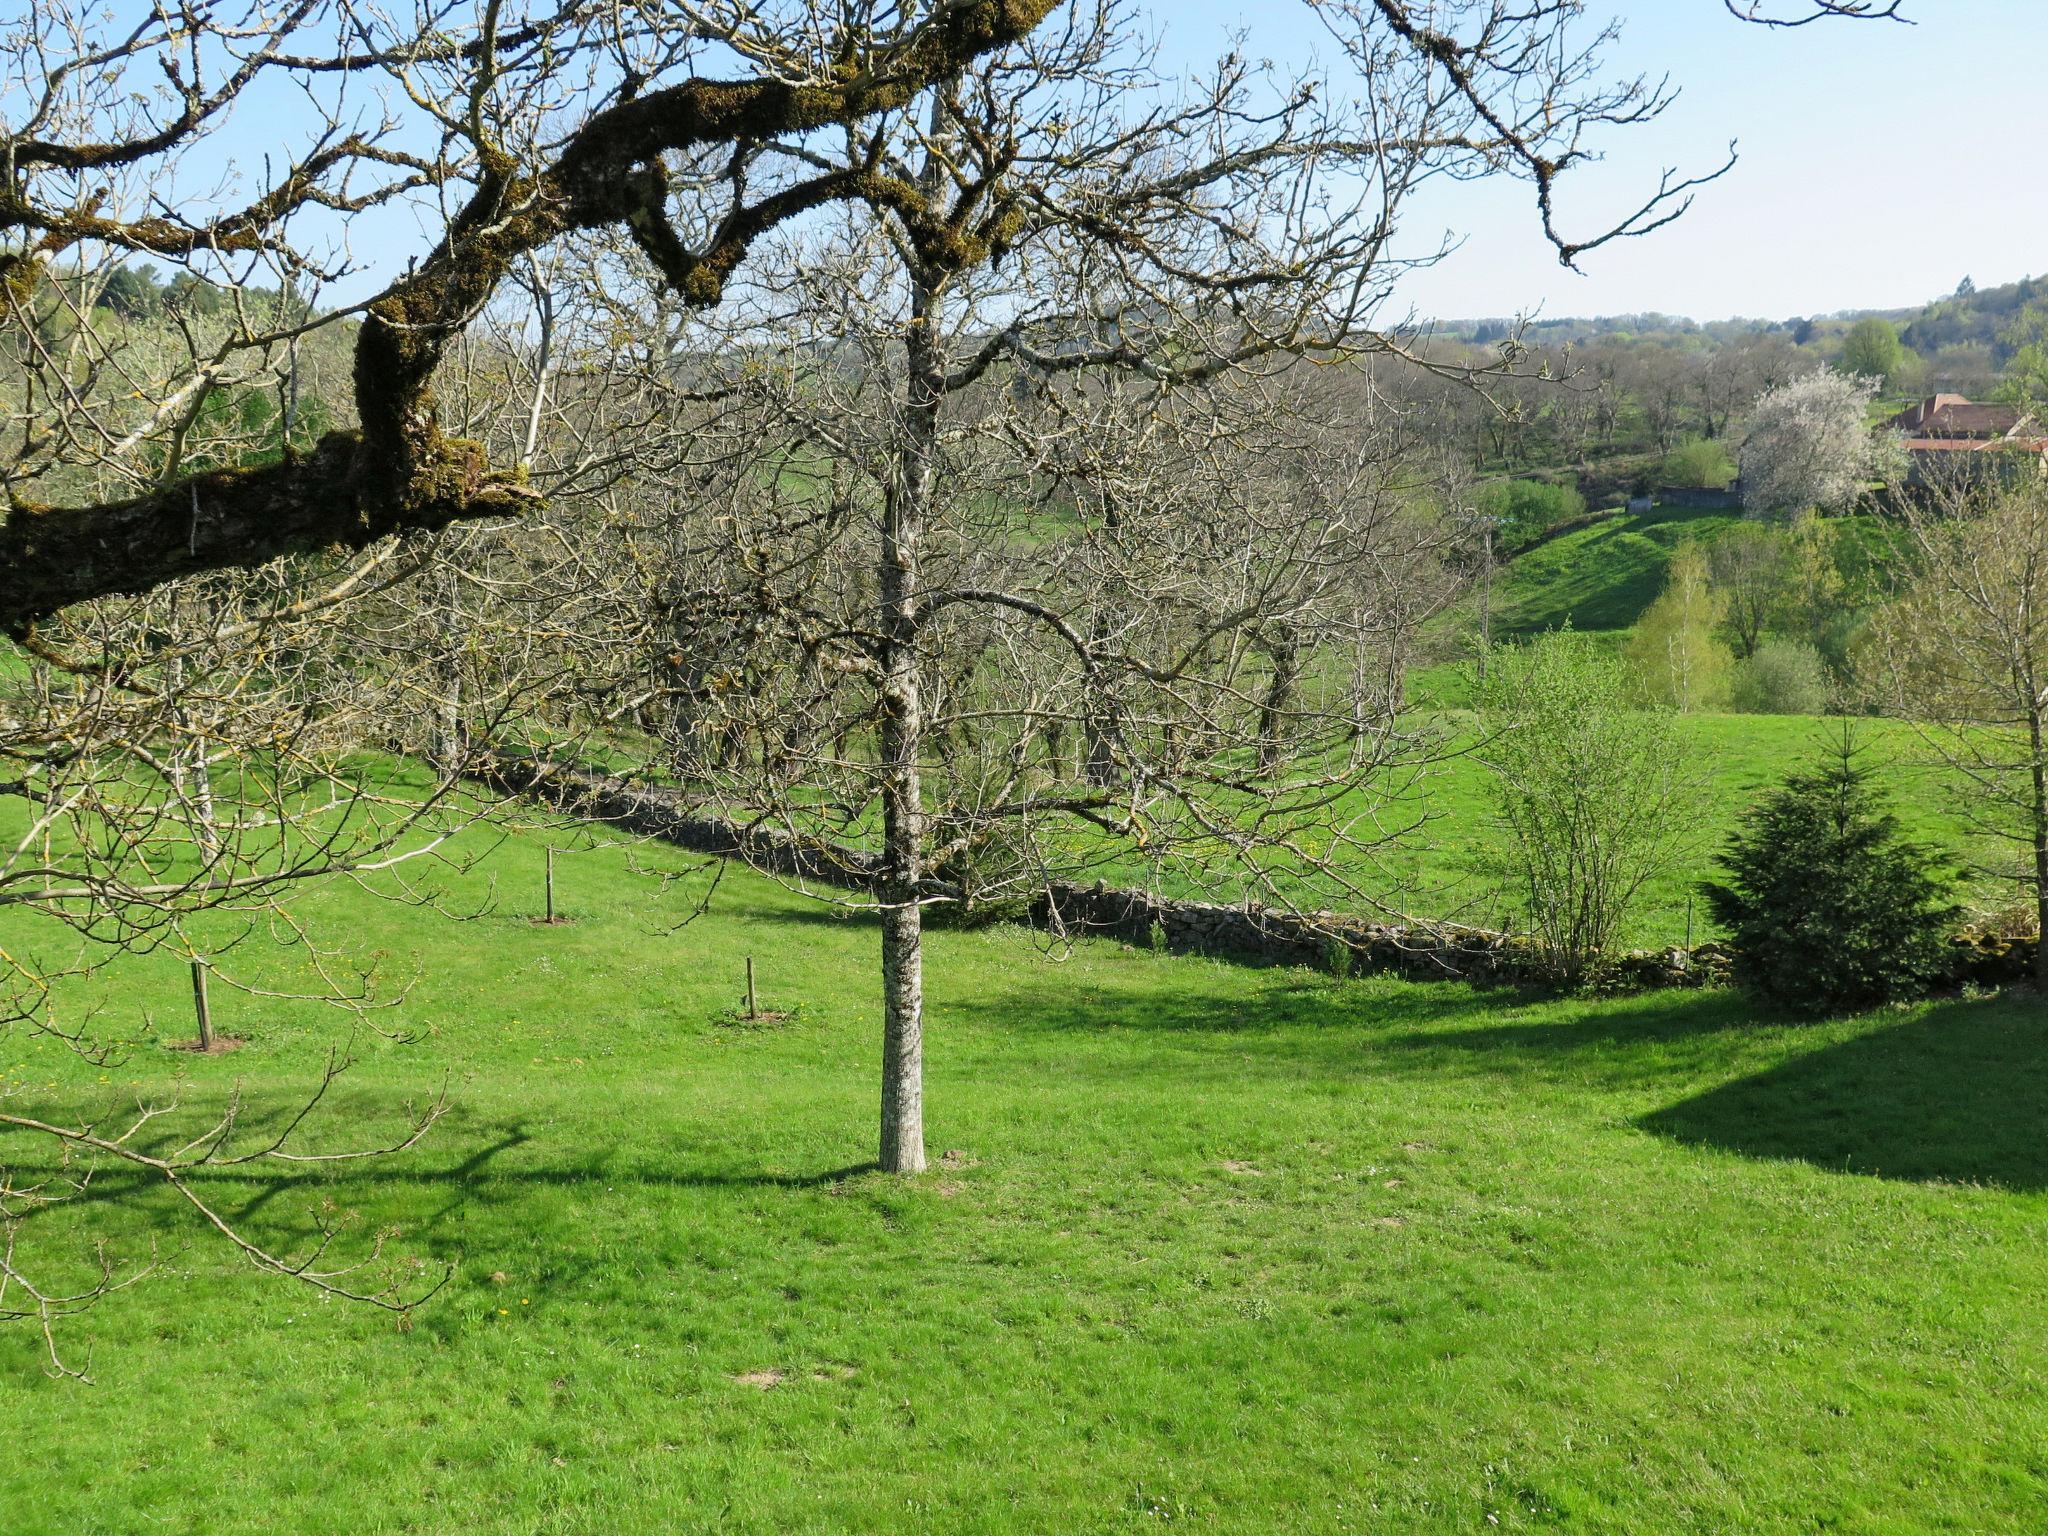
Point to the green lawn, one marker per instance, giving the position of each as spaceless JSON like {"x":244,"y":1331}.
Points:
{"x":1446,"y":863}
{"x":1604,"y":577}
{"x":1246,"y":1250}
{"x":1450,"y":866}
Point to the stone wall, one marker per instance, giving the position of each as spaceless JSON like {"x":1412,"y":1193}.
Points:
{"x":1249,"y":933}
{"x":1701,"y":499}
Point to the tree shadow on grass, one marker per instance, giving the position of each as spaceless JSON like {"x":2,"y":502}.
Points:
{"x":1958,"y":1092}
{"x":1390,"y":1027}
{"x":459,"y":1170}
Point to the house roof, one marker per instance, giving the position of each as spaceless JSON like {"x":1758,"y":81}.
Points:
{"x":1976,"y":444}
{"x":1944,"y":416}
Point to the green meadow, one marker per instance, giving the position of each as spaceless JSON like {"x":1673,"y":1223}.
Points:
{"x":1234,"y":1249}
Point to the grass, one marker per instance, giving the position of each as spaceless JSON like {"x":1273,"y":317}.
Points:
{"x":1600,"y":577}
{"x":1245,"y":1250}
{"x":1447,"y":863}
{"x":1451,"y":865}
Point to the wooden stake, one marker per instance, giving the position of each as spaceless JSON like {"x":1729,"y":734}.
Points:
{"x":551,"y":885}
{"x":199,"y":1004}
{"x":753,"y":1012}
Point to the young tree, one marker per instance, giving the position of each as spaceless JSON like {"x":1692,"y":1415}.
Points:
{"x":1596,"y":794}
{"x":1751,"y":567}
{"x":1678,"y":657}
{"x":1810,"y":445}
{"x":1827,"y":904}
{"x":1872,"y":351}
{"x":1963,"y":653}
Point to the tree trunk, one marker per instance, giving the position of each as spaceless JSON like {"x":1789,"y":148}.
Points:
{"x":449,"y":748}
{"x":1098,"y":734}
{"x":902,"y":727}
{"x":2039,"y":734}
{"x":1287,"y":662}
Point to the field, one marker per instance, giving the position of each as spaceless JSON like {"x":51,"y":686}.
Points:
{"x":1229,"y":1248}
{"x":1243,"y":1250}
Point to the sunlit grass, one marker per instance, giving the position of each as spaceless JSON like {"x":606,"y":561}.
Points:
{"x":1250,"y":1250}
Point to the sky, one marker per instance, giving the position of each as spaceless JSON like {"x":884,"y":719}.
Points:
{"x":1879,"y":165}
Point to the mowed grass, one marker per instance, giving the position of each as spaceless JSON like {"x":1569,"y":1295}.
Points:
{"x":1452,"y":864}
{"x":1233,"y":1249}
{"x":1445,"y":856}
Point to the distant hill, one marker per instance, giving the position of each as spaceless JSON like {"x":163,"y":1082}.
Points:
{"x":1969,"y":317}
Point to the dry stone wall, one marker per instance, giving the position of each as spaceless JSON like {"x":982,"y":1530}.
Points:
{"x":1248,"y":933}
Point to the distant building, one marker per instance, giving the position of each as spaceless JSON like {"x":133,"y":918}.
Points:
{"x":1949,"y":438}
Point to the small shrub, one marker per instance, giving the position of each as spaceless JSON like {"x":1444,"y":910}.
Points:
{"x":1525,"y":508}
{"x":1828,"y":907}
{"x":1784,"y":677}
{"x":1595,"y":795}
{"x":1338,"y":960}
{"x":1698,"y":463}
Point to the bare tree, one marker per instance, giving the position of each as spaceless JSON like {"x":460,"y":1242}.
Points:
{"x":1062,"y":286}
{"x":1963,"y":653}
{"x":1207,"y":240}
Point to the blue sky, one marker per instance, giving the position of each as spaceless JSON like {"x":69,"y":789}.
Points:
{"x":1879,"y":164}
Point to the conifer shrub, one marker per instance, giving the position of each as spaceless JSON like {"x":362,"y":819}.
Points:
{"x":1828,"y":906}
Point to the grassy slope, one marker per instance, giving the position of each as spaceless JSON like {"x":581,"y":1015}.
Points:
{"x":1601,"y":579}
{"x":1740,"y":758}
{"x":1252,"y":1249}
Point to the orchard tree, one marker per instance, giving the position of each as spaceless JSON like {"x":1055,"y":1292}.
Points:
{"x":1070,"y":282}
{"x":1810,"y":445}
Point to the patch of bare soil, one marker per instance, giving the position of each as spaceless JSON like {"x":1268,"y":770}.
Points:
{"x":222,"y":1044}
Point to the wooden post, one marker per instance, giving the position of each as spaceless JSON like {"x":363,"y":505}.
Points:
{"x":551,"y":885}
{"x":753,"y":1012}
{"x":199,"y":1004}
{"x":1688,"y":921}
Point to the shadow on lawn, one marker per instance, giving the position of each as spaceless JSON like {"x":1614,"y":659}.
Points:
{"x":246,"y":1194}
{"x":1958,"y":1092}
{"x":1386,"y":1026}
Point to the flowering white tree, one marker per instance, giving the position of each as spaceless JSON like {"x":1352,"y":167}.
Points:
{"x":1809,"y":444}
